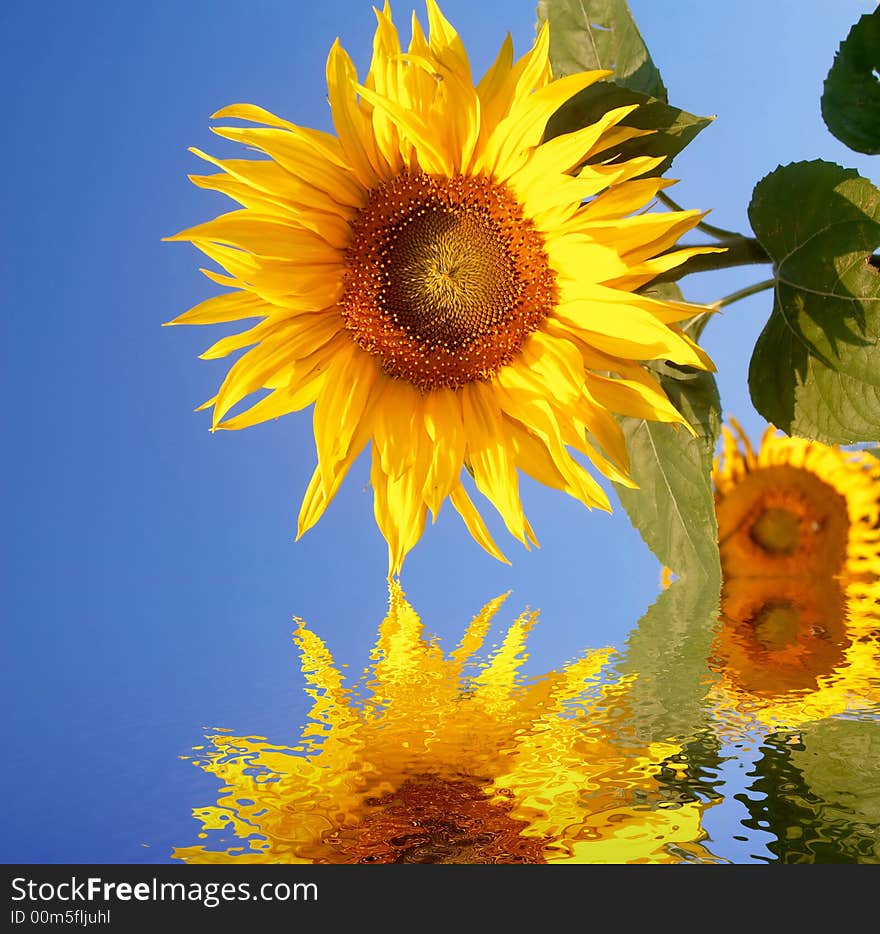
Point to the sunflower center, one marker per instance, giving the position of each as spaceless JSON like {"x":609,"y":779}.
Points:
{"x":782,"y":519}
{"x":777,"y":531}
{"x":445,"y":279}
{"x":449,"y":279}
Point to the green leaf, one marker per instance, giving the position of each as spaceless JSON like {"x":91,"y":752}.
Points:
{"x":669,"y":651}
{"x":851,"y":97}
{"x":815,"y":370}
{"x":590,"y":34}
{"x":674,"y":506}
{"x":673,"y":128}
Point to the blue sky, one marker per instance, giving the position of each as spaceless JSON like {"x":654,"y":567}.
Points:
{"x":151,"y":570}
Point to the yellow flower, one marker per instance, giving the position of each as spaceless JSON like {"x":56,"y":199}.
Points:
{"x":799,"y":535}
{"x":796,"y":508}
{"x":447,"y":759}
{"x":440,"y":280}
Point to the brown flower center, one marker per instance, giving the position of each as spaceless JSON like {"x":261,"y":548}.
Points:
{"x":782,"y":520}
{"x":777,"y":531}
{"x":445,"y":280}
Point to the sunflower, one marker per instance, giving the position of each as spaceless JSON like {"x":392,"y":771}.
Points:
{"x":796,"y":508}
{"x":799,"y":536}
{"x":448,"y":759}
{"x":444,"y":283}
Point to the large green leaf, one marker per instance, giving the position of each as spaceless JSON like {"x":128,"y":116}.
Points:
{"x":815,"y":370}
{"x":674,"y":506}
{"x":851,"y":98}
{"x":673,"y":128}
{"x":590,"y":34}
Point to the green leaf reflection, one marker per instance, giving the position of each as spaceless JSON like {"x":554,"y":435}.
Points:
{"x":669,"y":653}
{"x":818,"y":792}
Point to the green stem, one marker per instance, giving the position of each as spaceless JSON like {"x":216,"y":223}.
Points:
{"x":744,"y":293}
{"x":719,"y":233}
{"x":743,"y":251}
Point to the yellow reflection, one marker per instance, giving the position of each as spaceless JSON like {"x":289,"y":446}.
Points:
{"x":791,"y":650}
{"x":436,"y":758}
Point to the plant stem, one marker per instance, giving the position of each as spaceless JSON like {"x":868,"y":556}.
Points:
{"x":742,"y":251}
{"x":719,"y":233}
{"x":744,"y":293}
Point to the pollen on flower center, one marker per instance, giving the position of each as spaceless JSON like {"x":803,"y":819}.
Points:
{"x":449,"y":277}
{"x":445,"y":279}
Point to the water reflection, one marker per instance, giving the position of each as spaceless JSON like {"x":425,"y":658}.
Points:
{"x":798,"y":645}
{"x":436,"y":758}
{"x":818,"y":792}
{"x":769,"y":671}
{"x":795,"y":649}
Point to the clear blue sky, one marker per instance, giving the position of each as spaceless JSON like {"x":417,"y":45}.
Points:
{"x":150,"y":567}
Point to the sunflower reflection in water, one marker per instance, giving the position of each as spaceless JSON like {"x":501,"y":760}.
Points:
{"x":440,"y":280}
{"x":449,"y":759}
{"x":799,"y":535}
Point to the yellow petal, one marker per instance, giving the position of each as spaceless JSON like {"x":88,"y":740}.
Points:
{"x":442,"y":420}
{"x":351,"y":124}
{"x":253,"y":370}
{"x":463,"y":505}
{"x":231,"y":306}
{"x":524,"y":126}
{"x":344,"y":403}
{"x":563,"y":153}
{"x":637,"y":400}
{"x":626,"y":331}
{"x":491,"y":458}
{"x":293,"y":153}
{"x":396,"y":425}
{"x":432,"y":158}
{"x":399,"y":510}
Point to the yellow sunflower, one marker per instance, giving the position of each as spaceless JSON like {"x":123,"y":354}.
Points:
{"x":799,"y":534}
{"x":796,"y":508}
{"x":440,"y":280}
{"x":449,"y":759}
